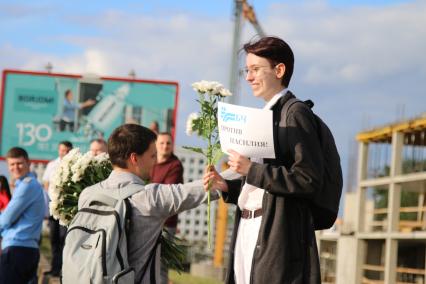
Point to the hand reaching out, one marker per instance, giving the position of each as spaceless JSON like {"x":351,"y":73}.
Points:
{"x":213,"y":177}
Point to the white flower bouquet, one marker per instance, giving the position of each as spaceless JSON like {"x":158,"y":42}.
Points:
{"x":76,"y":172}
{"x":204,"y":124}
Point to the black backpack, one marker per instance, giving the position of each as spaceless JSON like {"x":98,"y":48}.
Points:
{"x":325,"y":204}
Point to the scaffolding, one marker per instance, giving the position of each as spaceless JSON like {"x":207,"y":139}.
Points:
{"x":386,"y":242}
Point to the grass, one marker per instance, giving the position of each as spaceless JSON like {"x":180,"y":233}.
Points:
{"x":176,"y":278}
{"x":186,"y":278}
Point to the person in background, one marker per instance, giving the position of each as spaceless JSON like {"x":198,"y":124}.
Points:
{"x":5,"y":195}
{"x":21,"y":222}
{"x":154,"y":127}
{"x":167,"y":170}
{"x":98,"y":146}
{"x":69,"y":108}
{"x":56,"y":232}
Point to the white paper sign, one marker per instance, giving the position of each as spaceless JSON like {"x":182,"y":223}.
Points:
{"x":249,"y":131}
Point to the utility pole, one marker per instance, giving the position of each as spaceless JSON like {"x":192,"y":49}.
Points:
{"x":234,"y":75}
{"x":242,"y":10}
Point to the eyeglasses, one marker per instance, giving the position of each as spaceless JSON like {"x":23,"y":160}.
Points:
{"x":254,"y":70}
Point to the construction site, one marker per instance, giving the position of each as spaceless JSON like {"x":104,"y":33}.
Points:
{"x":381,"y":237}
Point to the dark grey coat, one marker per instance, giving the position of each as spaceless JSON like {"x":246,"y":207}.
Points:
{"x":286,"y":250}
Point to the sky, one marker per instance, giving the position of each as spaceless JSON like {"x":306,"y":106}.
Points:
{"x":362,"y":62}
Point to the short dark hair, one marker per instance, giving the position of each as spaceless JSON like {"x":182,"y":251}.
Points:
{"x":17,"y":152}
{"x":4,"y":186}
{"x":99,"y":140}
{"x":67,"y":92}
{"x":127,"y":139}
{"x":276,"y":51}
{"x":165,"y":133}
{"x":67,"y":144}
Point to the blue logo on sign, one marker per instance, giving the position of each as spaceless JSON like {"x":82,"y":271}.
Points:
{"x":229,"y":116}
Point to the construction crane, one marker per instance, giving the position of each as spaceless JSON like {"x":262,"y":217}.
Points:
{"x":242,"y":11}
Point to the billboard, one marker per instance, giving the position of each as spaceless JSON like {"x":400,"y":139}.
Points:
{"x":38,"y":110}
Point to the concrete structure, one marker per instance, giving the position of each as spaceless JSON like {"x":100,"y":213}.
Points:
{"x":382,"y":238}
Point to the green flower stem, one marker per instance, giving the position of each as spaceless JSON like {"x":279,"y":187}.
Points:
{"x":210,"y":163}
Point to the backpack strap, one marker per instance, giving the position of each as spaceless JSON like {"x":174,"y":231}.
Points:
{"x":130,"y":190}
{"x":280,"y":110}
{"x":150,"y":258}
{"x":102,"y":199}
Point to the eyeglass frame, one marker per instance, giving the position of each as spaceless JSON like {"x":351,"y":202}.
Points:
{"x":255,"y":69}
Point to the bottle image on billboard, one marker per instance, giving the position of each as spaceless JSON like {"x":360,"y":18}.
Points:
{"x":109,"y":109}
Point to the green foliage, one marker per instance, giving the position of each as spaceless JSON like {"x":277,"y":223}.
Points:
{"x":195,"y":149}
{"x":173,"y":252}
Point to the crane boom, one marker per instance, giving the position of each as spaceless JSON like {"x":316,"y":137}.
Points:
{"x":242,"y":11}
{"x":250,"y":15}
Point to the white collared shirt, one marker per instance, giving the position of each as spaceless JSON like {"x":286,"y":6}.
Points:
{"x":251,"y":197}
{"x":248,"y":229}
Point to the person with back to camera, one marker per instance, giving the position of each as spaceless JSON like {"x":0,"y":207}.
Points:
{"x":133,"y":154}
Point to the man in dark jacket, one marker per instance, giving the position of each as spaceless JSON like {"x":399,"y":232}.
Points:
{"x":274,"y":237}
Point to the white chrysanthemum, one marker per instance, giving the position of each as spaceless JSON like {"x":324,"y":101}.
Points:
{"x":65,"y":173}
{"x":53,"y":207}
{"x":225,"y":92}
{"x":214,"y":88}
{"x":211,"y":87}
{"x":190,"y":123}
{"x":71,"y":157}
{"x":101,"y":158}
{"x":81,"y":165}
{"x":55,"y":180}
{"x":63,"y":221}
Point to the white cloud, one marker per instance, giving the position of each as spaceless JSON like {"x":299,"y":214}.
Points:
{"x":353,"y":62}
